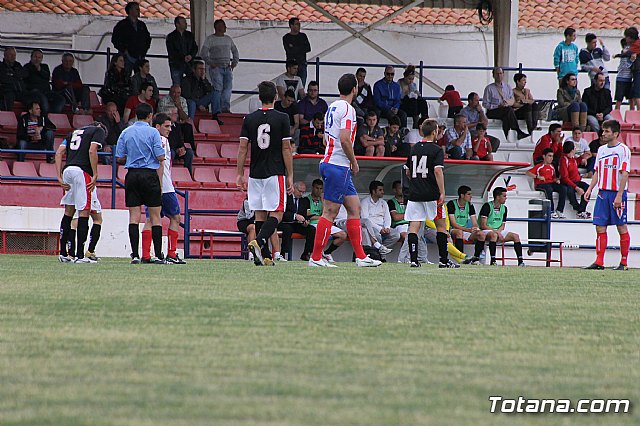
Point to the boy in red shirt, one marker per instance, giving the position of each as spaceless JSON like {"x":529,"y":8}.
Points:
{"x":553,"y":139}
{"x":546,"y":179}
{"x":571,"y":179}
{"x":481,"y":144}
{"x":452,"y":96}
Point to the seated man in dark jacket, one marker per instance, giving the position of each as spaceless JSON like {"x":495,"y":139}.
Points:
{"x":12,"y":87}
{"x":293,"y":220}
{"x":66,"y":81}
{"x":599,"y":104}
{"x":38,"y":81}
{"x":35,"y":131}
{"x":197,"y":90}
{"x":177,"y":140}
{"x":115,"y":125}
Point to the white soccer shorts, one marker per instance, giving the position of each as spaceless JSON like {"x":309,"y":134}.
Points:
{"x":78,"y":195}
{"x":503,"y":233}
{"x":419,"y":211}
{"x":268,"y":194}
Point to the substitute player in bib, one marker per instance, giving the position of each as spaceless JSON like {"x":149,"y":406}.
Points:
{"x":170,"y":207}
{"x":613,"y":163}
{"x":271,"y":168}
{"x":424,"y":168}
{"x":336,"y":168}
{"x":79,"y":181}
{"x":140,"y":148}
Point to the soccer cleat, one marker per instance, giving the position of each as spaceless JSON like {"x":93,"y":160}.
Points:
{"x":384,"y":249}
{"x":554,"y":215}
{"x":595,"y":266}
{"x":620,"y":267}
{"x":84,"y":260}
{"x":328,"y":258}
{"x":414,"y":265}
{"x":280,"y":258}
{"x":493,"y":263}
{"x":367,"y":262}
{"x":560,"y":215}
{"x":160,"y":261}
{"x":146,"y":260}
{"x":91,"y":255}
{"x":175,"y":260}
{"x":65,"y":259}
{"x":254,"y":247}
{"x":473,"y":260}
{"x":450,"y":264}
{"x":322,"y":263}
{"x":521,"y":264}
{"x":268,"y":262}
{"x":135,"y":260}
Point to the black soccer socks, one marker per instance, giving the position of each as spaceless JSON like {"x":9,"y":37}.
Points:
{"x":134,"y":239}
{"x":82,"y":232}
{"x":95,"y":236}
{"x":478,"y":248}
{"x":441,"y":239}
{"x":156,"y":236}
{"x":412,"y":240}
{"x":65,"y":227}
{"x":266,"y":230}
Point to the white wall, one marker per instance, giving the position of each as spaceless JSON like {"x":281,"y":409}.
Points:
{"x":435,"y":45}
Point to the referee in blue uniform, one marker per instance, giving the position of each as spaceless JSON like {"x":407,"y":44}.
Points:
{"x":140,"y":149}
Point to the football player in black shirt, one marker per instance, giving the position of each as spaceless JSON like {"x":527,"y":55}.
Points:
{"x":424,"y":168}
{"x":271,"y":169}
{"x":78,"y":179}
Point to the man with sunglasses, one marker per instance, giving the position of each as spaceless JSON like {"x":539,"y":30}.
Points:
{"x":387,"y":94}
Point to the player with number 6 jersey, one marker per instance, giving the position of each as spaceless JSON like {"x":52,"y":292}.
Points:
{"x":267,"y":132}
{"x":78,"y":179}
{"x":424,"y":168}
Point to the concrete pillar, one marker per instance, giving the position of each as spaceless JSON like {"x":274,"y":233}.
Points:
{"x":505,"y":33}
{"x":201,"y":19}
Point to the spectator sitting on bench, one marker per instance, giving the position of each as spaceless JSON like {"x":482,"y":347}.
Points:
{"x":293,"y":220}
{"x":546,"y":179}
{"x":553,"y":139}
{"x":35,"y":131}
{"x":582,"y":147}
{"x":145,"y":96}
{"x":394,"y":143}
{"x":459,"y":139}
{"x":570,"y":106}
{"x":462,"y":213}
{"x":452,"y":97}
{"x":498,"y":100}
{"x":370,"y":138}
{"x":312,"y":136}
{"x":493,"y":216}
{"x":481,"y":145}
{"x":571,"y":179}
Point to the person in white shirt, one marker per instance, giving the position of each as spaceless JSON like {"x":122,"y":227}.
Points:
{"x":583,"y":153}
{"x":289,"y":80}
{"x":377,"y":229}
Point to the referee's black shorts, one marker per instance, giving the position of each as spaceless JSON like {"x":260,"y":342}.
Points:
{"x":142,"y":187}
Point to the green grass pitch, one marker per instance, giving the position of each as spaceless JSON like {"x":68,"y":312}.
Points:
{"x":228,"y":343}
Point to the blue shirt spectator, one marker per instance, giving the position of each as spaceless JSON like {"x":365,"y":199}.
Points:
{"x":386,"y":92}
{"x":565,"y":55}
{"x":141,"y":145}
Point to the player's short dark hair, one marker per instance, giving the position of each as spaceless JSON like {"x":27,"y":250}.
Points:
{"x":361,"y":70}
{"x":396,"y":183}
{"x":471,"y":96}
{"x":290,"y":63}
{"x":267,"y":92}
{"x":480,"y":126}
{"x":554,"y":127}
{"x":577,"y":128}
{"x":463,"y":189}
{"x":428,"y":127}
{"x":289,"y":93}
{"x":394,"y":120}
{"x":160,"y":118}
{"x":519,"y":76}
{"x":129,"y":5}
{"x":143,"y":111}
{"x":68,"y":55}
{"x":313,"y":83}
{"x":568,"y":146}
{"x":498,"y":191}
{"x":375,"y":184}
{"x":317,"y":182}
{"x":547,"y":151}
{"x":631,"y":32}
{"x":293,"y":20}
{"x":613,"y":125}
{"x":569,"y":31}
{"x":590,"y":37}
{"x":372,"y":113}
{"x":449,"y":87}
{"x":144,"y":86}
{"x":218,"y":21}
{"x":102,"y":126}
{"x":177,"y":19}
{"x":346,"y":84}
{"x":318,"y":116}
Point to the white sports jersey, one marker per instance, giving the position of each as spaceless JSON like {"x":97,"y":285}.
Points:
{"x":167,"y":183}
{"x":610,"y":162}
{"x":339,"y":116}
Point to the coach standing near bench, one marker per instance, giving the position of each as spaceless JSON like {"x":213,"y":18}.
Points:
{"x":140,"y":149}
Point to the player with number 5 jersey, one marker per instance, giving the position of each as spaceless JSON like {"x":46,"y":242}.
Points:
{"x":267,"y":132}
{"x":336,"y":168}
{"x":424,"y":168}
{"x":78,"y":179}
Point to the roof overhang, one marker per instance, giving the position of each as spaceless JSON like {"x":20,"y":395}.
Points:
{"x":450,"y":4}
